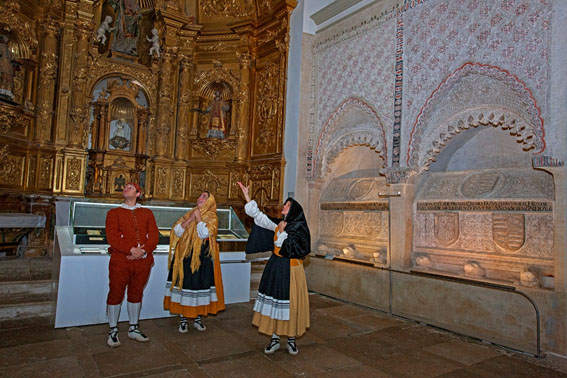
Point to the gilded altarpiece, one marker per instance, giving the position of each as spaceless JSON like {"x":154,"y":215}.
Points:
{"x":212,"y":79}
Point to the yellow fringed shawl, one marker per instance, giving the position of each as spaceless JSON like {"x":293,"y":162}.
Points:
{"x":190,"y":241}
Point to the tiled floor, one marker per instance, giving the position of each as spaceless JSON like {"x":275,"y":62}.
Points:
{"x":344,"y":341}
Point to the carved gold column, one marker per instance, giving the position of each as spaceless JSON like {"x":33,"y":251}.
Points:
{"x":74,"y":154}
{"x":244,"y":107}
{"x":79,"y":111}
{"x":46,"y":86}
{"x":184,"y":110}
{"x":164,"y":104}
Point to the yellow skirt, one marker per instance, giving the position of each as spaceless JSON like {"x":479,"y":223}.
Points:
{"x":298,"y":308}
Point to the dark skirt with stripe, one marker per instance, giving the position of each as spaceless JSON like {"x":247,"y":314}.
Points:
{"x":198,"y":291}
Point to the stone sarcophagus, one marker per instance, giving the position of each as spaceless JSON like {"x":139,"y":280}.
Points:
{"x":353,"y":218}
{"x":494,"y":224}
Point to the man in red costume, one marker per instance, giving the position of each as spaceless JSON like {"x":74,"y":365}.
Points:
{"x":133,"y":235}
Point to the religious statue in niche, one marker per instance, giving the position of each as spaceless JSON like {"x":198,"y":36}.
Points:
{"x":215,"y":113}
{"x":120,"y":132}
{"x":218,"y":117}
{"x":7,"y":67}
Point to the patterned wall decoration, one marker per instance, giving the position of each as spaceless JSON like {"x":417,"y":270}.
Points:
{"x":355,"y":64}
{"x":513,"y":35}
{"x":413,"y":54}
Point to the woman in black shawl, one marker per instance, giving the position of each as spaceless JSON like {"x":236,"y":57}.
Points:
{"x":282,"y":304}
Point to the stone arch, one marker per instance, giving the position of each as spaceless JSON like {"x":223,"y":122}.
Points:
{"x":475,"y":95}
{"x":354,"y":122}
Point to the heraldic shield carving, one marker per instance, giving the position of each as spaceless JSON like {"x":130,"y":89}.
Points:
{"x":508,"y":231}
{"x":446,"y":228}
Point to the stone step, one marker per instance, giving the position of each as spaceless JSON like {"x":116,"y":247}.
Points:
{"x":16,"y":292}
{"x":26,"y":269}
{"x":26,"y":314}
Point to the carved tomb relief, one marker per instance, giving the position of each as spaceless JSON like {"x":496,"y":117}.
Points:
{"x":353,"y":218}
{"x":493,"y":224}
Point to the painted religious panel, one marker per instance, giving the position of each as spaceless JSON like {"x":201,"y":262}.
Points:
{"x":126,"y":28}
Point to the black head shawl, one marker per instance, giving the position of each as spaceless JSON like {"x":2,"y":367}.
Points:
{"x":298,"y":242}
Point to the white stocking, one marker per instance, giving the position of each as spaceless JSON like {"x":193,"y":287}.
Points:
{"x":134,"y":312}
{"x":113,"y":313}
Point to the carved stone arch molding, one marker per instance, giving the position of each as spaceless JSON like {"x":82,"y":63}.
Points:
{"x":472,"y":96}
{"x":472,"y":118}
{"x":354,"y":122}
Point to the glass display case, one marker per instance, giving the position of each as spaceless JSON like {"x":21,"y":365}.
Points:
{"x":87,"y":221}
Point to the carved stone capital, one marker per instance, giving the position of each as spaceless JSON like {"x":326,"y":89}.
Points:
{"x":397,"y":175}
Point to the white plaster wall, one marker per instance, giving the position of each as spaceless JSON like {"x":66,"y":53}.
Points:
{"x":291,"y":134}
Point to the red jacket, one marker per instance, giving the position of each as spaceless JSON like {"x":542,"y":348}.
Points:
{"x":121,"y":227}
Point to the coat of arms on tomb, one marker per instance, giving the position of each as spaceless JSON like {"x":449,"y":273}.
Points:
{"x":446,"y":228}
{"x":480,"y":184}
{"x":508,"y":231}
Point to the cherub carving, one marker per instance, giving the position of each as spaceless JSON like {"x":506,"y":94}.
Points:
{"x":155,"y":42}
{"x":103,"y":28}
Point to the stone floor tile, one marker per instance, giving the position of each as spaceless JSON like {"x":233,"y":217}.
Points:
{"x":373,"y":321}
{"x":329,"y":328}
{"x":345,"y":311}
{"x":133,"y":357}
{"x":354,"y":371}
{"x":465,"y":373}
{"x":31,"y":335}
{"x":464,"y":352}
{"x":24,"y":354}
{"x":549,"y":361}
{"x":207,"y":345}
{"x":166,"y":371}
{"x":366,"y":348}
{"x":416,"y":363}
{"x":65,"y":367}
{"x":319,"y":302}
{"x":249,"y":366}
{"x":509,"y":366}
{"x":414,"y":336}
{"x":312,"y":360}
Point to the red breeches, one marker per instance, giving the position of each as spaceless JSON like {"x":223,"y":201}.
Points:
{"x":124,"y":273}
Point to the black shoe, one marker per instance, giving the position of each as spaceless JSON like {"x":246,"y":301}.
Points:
{"x":113,"y":340}
{"x":273,"y":345}
{"x":183,"y":325}
{"x":198,"y":324}
{"x":291,"y":347}
{"x":135,"y":333}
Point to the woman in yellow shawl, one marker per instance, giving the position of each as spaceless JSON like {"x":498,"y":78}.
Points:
{"x":194,"y":284}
